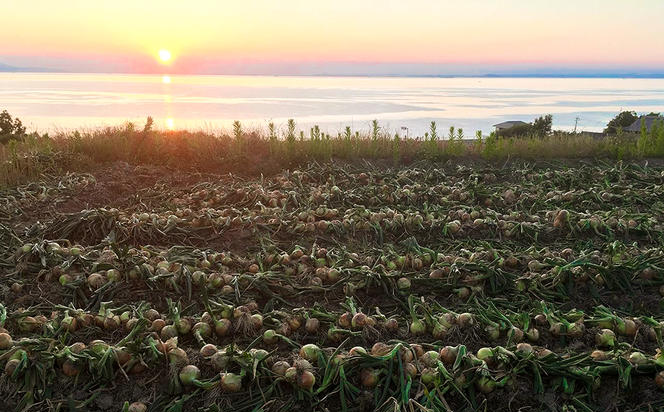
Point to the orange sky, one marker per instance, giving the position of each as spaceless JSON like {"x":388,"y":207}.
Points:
{"x":203,"y":35}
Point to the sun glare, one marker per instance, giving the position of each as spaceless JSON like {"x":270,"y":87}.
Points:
{"x":170,"y":124}
{"x":166,"y":79}
{"x":164,"y":55}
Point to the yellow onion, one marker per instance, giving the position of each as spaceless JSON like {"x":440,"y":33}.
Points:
{"x":189,"y":374}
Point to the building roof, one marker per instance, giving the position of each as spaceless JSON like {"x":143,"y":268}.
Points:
{"x":508,"y":124}
{"x":649,"y":121}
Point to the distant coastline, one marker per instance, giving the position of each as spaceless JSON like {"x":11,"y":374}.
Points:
{"x":5,"y":68}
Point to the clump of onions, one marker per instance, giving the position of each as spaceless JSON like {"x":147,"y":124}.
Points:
{"x":231,"y":382}
{"x":306,"y":380}
{"x":208,"y":350}
{"x":605,"y":338}
{"x":310,"y":352}
{"x":369,"y":377}
{"x":137,"y":407}
{"x":189,"y":374}
{"x":280,"y":367}
{"x":312,"y":325}
{"x":448,"y":354}
{"x":6,"y":341}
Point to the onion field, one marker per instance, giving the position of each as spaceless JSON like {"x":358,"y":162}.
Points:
{"x":354,"y":287}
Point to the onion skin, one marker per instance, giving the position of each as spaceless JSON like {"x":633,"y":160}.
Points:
{"x":6,"y":341}
{"x":312,"y":325}
{"x":69,"y":368}
{"x":11,"y":366}
{"x":137,"y":407}
{"x":448,"y":355}
{"x":208,"y":350}
{"x":222,"y":327}
{"x":417,"y":327}
{"x":280,"y":367}
{"x":310,"y":352}
{"x":659,"y":380}
{"x":392,"y":325}
{"x":231,"y":382}
{"x":189,"y":374}
{"x":306,"y":380}
{"x":369,"y":378}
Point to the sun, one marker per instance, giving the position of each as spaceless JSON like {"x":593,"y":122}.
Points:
{"x":164,"y":55}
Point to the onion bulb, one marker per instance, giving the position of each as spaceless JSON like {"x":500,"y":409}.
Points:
{"x":189,"y":374}
{"x":605,"y":338}
{"x":6,"y":341}
{"x":137,"y":407}
{"x":448,"y":355}
{"x":310,"y":352}
{"x":208,"y":350}
{"x":306,"y":380}
{"x":231,"y":382}
{"x":369,"y":377}
{"x":279,"y":368}
{"x":417,"y":327}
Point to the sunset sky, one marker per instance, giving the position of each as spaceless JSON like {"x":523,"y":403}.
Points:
{"x":335,"y":37}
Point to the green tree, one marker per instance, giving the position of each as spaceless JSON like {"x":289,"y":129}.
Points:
{"x":542,"y":125}
{"x":622,"y":120}
{"x":10,"y":128}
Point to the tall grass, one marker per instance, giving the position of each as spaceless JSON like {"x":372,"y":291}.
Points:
{"x":255,"y":152}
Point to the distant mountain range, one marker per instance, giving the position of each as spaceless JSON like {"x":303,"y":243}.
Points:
{"x":8,"y":68}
